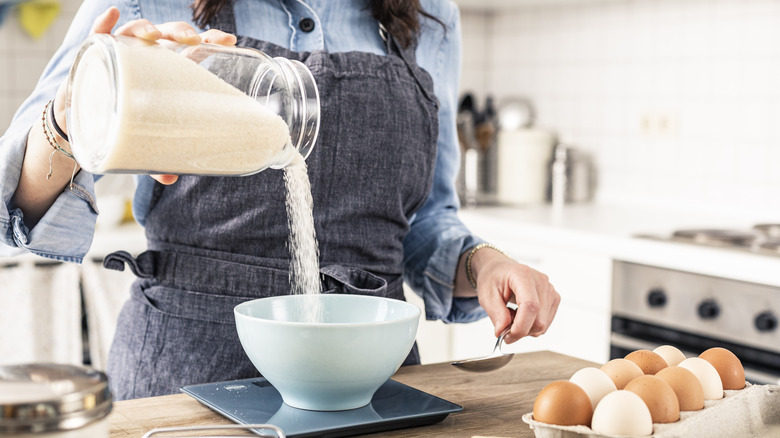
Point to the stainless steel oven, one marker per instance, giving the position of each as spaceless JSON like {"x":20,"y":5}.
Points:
{"x":653,"y":306}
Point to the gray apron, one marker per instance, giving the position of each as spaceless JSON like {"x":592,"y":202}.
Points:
{"x":215,"y":242}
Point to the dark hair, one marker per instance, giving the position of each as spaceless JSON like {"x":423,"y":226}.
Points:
{"x":401,"y":18}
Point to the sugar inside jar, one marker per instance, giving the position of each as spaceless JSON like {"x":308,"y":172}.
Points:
{"x":136,"y":106}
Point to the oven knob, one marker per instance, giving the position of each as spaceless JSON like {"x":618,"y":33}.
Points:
{"x":766,"y":322}
{"x":656,"y":298}
{"x":709,"y":309}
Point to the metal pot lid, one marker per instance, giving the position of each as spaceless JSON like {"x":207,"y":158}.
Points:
{"x":37,"y":398}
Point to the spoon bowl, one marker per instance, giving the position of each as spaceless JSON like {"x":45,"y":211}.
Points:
{"x":494,"y":361}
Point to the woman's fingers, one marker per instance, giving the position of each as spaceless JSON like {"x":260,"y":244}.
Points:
{"x":176,"y":30}
{"x":215,"y":36}
{"x":496,"y":309}
{"x":165,"y":179}
{"x":105,"y":21}
{"x":179,"y":31}
{"x":140,"y":29}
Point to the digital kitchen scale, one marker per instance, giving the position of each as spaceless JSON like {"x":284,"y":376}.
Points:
{"x":255,"y":401}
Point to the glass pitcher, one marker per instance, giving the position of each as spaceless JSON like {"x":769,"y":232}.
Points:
{"x":136,"y":106}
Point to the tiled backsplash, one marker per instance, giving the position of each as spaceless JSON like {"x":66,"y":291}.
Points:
{"x":22,"y":59}
{"x":679,"y":100}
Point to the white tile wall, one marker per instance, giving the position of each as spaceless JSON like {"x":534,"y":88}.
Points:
{"x":679,"y":100}
{"x":22,"y":59}
{"x":603,"y":74}
{"x":475,"y":51}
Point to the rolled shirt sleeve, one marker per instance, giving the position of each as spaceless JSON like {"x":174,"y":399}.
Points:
{"x":65,"y":232}
{"x":437,"y":237}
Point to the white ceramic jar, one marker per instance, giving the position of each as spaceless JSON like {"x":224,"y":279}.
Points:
{"x":53,"y":401}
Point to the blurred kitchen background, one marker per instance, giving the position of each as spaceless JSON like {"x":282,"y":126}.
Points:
{"x":664,"y":105}
{"x":676,"y":100}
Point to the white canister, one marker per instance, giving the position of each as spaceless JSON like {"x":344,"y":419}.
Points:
{"x":524,"y":156}
{"x":53,"y":401}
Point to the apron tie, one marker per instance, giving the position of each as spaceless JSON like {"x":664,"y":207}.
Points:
{"x":142,"y":267}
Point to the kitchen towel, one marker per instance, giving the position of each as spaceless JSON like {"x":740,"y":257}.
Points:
{"x":105,"y":291}
{"x":40,"y":318}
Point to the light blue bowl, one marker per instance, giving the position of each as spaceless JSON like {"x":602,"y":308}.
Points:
{"x":332,"y":365}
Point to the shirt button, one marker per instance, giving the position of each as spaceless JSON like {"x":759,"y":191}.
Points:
{"x":306,"y":24}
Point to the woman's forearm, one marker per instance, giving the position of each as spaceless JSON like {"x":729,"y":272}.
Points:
{"x":463,"y":286}
{"x":39,"y":185}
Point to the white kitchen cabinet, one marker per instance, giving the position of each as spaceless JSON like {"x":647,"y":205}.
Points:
{"x":581,"y":276}
{"x":40,"y":319}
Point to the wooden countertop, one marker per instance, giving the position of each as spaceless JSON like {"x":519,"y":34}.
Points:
{"x":493,"y":403}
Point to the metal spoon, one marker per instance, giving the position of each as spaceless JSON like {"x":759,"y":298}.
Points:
{"x":496,"y":360}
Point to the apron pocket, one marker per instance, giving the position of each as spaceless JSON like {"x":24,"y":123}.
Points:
{"x":337,"y":279}
{"x":196,"y":306}
{"x":165,"y":343}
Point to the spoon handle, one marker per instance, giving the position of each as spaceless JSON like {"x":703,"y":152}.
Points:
{"x":500,"y":340}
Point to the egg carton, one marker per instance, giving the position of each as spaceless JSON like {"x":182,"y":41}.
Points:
{"x":753,"y":411}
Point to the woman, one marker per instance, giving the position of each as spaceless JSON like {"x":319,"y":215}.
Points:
{"x":382,"y":178}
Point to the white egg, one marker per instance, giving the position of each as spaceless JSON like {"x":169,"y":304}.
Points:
{"x":672,"y":355}
{"x":622,"y":413}
{"x":595,"y":382}
{"x":708,"y":377}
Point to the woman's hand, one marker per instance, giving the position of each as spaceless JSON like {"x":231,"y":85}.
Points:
{"x":176,"y":31}
{"x":500,"y":281}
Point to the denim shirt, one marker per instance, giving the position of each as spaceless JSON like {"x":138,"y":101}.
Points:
{"x":436,"y":238}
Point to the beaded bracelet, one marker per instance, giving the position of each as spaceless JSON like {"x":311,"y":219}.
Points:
{"x":469,"y":272}
{"x":53,"y":143}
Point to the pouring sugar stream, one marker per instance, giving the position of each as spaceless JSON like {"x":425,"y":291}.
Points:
{"x":162,"y":107}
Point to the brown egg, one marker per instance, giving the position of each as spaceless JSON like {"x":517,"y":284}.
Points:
{"x":563,"y":403}
{"x":658,"y":396}
{"x":621,"y":371}
{"x":649,"y":362}
{"x":686,"y":385}
{"x":728,"y":365}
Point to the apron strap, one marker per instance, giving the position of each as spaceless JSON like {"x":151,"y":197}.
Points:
{"x":225,"y":20}
{"x":196,"y":272}
{"x":408,"y":56}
